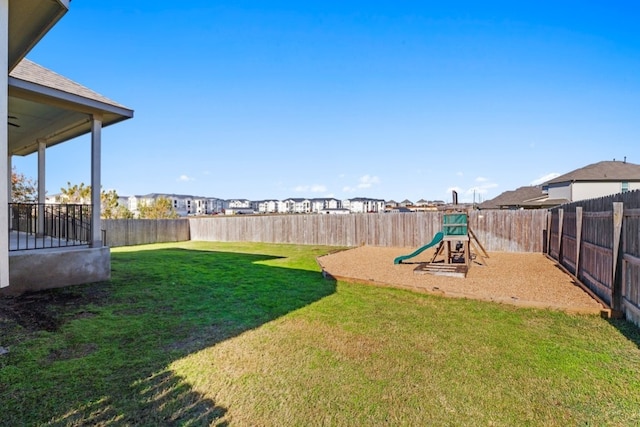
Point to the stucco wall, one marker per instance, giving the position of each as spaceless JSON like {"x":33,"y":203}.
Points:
{"x":560,"y":191}
{"x":56,"y":268}
{"x":592,"y":190}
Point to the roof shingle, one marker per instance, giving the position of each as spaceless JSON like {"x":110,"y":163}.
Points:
{"x":601,"y":171}
{"x":31,"y":72}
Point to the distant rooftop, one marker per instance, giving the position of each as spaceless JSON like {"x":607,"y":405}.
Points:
{"x":601,"y":171}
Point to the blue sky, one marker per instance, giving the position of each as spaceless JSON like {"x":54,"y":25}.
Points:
{"x":384,"y":99}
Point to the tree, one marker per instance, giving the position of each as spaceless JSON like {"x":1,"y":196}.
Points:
{"x":160,"y":208}
{"x":79,"y":194}
{"x":23,"y":189}
{"x":110,"y":208}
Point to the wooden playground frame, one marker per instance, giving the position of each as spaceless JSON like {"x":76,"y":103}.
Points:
{"x":450,"y":260}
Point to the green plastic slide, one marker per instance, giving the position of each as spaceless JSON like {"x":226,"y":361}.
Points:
{"x":436,"y":239}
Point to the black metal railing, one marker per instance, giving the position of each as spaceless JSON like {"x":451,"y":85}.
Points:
{"x":41,"y":225}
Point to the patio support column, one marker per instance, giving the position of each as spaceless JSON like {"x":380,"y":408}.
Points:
{"x":9,"y":170}
{"x":5,"y":182}
{"x":42,"y":145}
{"x":96,"y":185}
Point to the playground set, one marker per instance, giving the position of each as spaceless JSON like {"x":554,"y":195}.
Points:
{"x":453,"y":256}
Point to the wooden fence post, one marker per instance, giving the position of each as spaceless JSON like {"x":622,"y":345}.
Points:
{"x":549,"y":222}
{"x":560,"y":225}
{"x":616,"y":282}
{"x":578,"y":238}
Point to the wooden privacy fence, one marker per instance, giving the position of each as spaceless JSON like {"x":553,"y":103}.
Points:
{"x":598,"y":241}
{"x":509,"y":231}
{"x":128,"y":232}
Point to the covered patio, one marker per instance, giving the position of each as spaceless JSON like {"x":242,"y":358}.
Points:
{"x":47,"y":245}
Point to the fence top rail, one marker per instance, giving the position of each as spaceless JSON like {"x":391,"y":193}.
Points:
{"x":632,"y":212}
{"x":606,"y":214}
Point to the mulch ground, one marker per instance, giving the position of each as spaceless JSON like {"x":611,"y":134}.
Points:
{"x":522,"y":279}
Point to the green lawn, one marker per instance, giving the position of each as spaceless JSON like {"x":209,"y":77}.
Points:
{"x":251,"y":334}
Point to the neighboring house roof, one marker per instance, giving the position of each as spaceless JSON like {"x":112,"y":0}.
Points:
{"x":323,"y":199}
{"x":167,"y":196}
{"x":364,"y":199}
{"x":601,"y":171}
{"x":523,"y":197}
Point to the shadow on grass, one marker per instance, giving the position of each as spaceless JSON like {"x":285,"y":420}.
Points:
{"x":104,"y":361}
{"x":628,"y":329}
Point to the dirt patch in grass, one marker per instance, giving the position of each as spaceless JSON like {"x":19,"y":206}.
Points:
{"x":530,"y":280}
{"x":45,"y":310}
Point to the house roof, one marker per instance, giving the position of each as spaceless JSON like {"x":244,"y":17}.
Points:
{"x":29,"y":71}
{"x":528,"y":196}
{"x":45,"y":106}
{"x":29,"y":21}
{"x":601,"y":171}
{"x":364,"y":199}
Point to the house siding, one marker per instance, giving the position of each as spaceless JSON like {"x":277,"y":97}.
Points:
{"x":560,"y":191}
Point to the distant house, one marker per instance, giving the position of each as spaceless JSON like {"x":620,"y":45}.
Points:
{"x":529,"y":197}
{"x":182,"y":204}
{"x":215,"y":205}
{"x":320,"y":204}
{"x":239,"y":211}
{"x":266,"y":206}
{"x":592,"y":181}
{"x":333,"y":211}
{"x":208,"y":205}
{"x":295,"y":205}
{"x":363,"y":205}
{"x":400,"y":209}
{"x":238,"y":204}
{"x":595,"y":180}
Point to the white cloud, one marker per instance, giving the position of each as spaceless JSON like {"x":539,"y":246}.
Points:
{"x":545,"y":178}
{"x":367,"y":181}
{"x":460,"y":173}
{"x":474,"y":193}
{"x":185,"y":178}
{"x":316,"y":188}
{"x":481,"y":189}
{"x":348,"y":189}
